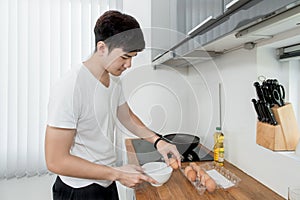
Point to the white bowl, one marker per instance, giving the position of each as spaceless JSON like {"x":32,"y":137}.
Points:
{"x":159,"y":171}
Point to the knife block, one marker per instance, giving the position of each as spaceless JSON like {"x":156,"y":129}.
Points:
{"x":282,"y":137}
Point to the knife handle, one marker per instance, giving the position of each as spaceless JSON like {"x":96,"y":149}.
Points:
{"x":267,"y":92}
{"x":259,"y":92}
{"x":256,"y":109}
{"x":271,"y":115}
{"x":264,"y":116}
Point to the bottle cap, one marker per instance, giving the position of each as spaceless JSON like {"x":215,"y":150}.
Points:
{"x":218,"y":128}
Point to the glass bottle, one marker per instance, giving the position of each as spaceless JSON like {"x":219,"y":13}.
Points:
{"x":219,"y":147}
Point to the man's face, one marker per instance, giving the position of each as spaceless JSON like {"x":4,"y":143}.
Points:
{"x":119,"y":61}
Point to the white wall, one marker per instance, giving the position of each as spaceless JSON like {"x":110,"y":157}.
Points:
{"x":238,"y":71}
{"x":156,"y":95}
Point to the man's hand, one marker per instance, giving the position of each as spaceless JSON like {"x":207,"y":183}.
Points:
{"x":165,"y":148}
{"x":132,"y":175}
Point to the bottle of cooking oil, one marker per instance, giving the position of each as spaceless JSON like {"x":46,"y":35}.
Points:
{"x":219,"y":147}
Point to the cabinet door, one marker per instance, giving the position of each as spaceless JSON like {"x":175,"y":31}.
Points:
{"x":196,"y":11}
{"x":199,"y":10}
{"x":227,"y":2}
{"x":160,"y":26}
{"x":173,"y":19}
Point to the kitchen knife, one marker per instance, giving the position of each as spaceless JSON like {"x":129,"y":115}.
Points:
{"x":259,"y":117}
{"x":261,"y":109}
{"x":270,"y":114}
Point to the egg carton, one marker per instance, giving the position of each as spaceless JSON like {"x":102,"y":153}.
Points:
{"x":223,"y":177}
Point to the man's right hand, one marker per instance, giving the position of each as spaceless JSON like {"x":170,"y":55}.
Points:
{"x":132,"y":175}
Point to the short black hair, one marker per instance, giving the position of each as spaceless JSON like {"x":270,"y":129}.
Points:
{"x":119,"y":30}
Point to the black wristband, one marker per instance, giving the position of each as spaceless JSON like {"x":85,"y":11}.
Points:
{"x":156,"y":141}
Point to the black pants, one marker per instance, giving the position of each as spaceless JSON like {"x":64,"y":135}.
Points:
{"x":61,"y":191}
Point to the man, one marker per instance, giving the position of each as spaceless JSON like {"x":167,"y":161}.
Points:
{"x":82,"y":110}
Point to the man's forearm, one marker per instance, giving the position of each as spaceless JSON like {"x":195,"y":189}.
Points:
{"x":135,"y":125}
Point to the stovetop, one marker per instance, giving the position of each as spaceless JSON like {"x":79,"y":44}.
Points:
{"x":145,"y":152}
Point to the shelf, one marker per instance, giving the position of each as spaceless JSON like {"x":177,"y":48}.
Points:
{"x":193,"y":57}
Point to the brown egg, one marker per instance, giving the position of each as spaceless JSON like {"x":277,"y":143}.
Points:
{"x":188,"y":168}
{"x":204,"y":178}
{"x":173,"y":163}
{"x":191,"y":175}
{"x":210,"y":185}
{"x":197,"y":169}
{"x":193,"y":164}
{"x":201,"y":172}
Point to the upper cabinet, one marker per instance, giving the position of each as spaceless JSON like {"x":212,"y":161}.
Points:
{"x":181,"y":28}
{"x":172,"y":20}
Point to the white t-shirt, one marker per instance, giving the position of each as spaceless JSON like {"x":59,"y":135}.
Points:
{"x":80,"y":101}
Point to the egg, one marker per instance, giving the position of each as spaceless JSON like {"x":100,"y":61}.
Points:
{"x":173,"y":163}
{"x":197,"y":169}
{"x":188,"y":168}
{"x":204,"y":178}
{"x":191,"y":175}
{"x":200,"y":172}
{"x":210,"y":185}
{"x":193,"y":165}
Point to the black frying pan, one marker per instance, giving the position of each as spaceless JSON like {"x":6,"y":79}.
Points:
{"x":185,"y":143}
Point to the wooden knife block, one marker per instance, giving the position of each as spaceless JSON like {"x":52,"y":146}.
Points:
{"x":282,"y":137}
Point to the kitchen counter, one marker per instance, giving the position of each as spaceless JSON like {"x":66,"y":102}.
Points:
{"x":179,"y":188}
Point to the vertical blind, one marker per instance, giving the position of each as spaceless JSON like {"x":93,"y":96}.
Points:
{"x":40,"y":41}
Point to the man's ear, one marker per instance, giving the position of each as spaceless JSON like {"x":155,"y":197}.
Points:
{"x":101,"y":47}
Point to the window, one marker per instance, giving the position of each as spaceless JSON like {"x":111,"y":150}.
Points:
{"x":40,"y":40}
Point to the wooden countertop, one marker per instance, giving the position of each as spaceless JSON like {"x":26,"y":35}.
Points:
{"x":179,"y":188}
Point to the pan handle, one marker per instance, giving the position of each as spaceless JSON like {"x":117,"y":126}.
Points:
{"x":159,"y":135}
{"x":163,"y":138}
